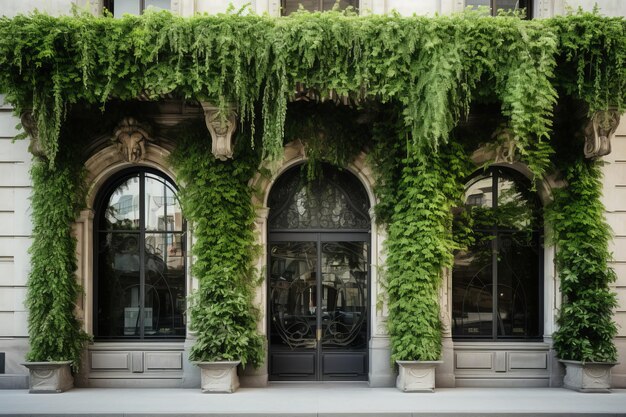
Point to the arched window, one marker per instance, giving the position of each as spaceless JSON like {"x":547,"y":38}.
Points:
{"x":497,"y":281}
{"x":290,"y":6}
{"x":139,"y":266}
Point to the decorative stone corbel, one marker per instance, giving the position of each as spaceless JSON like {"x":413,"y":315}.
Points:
{"x":599,"y":131}
{"x":30,"y":127}
{"x":131,"y":138}
{"x":221,"y":129}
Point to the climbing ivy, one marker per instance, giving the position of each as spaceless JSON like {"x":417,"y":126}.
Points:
{"x":55,"y":332}
{"x":215,"y":198}
{"x":586,"y":329}
{"x":433,"y":67}
{"x":420,"y":245}
{"x":426,"y":73}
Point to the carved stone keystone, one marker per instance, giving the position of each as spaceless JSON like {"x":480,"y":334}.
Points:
{"x":131,"y":138}
{"x":599,"y":132}
{"x":221,"y":129}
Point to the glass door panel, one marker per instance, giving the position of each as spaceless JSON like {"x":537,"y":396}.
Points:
{"x":344,"y":295}
{"x":293,"y":294}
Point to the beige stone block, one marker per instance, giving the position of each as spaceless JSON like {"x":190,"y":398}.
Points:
{"x":617,"y":246}
{"x":6,"y":323}
{"x":7,"y":124}
{"x":7,"y":199}
{"x":620,"y":319}
{"x":20,"y":327}
{"x":163,"y":360}
{"x":617,"y":222}
{"x":7,"y":270}
{"x":14,"y":174}
{"x":110,"y":360}
{"x":7,"y":223}
{"x":528,"y":360}
{"x":11,"y":150}
{"x":408,"y":7}
{"x":474,"y":360}
{"x":620,"y":271}
{"x":621,"y":298}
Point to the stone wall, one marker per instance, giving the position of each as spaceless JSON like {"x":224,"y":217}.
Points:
{"x":15,"y":239}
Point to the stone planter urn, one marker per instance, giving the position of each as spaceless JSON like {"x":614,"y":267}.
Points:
{"x":587,"y":376}
{"x":50,"y":377}
{"x":416,"y":376}
{"x":221,"y":376}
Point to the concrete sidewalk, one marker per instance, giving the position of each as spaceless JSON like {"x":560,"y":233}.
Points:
{"x":313,"y":400}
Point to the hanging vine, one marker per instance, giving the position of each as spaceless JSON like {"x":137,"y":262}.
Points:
{"x":424,"y":72}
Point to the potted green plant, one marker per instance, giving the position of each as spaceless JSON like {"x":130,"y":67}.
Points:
{"x":584,"y":340}
{"x":414,"y":269}
{"x":216,"y":200}
{"x":55,"y":333}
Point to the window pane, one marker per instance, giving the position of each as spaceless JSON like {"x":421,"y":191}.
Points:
{"x":344,"y":294}
{"x":516,"y":206}
{"x":163,"y":212}
{"x":477,"y":3}
{"x":291,"y":6}
{"x":123,"y":7}
{"x":518,"y":285}
{"x":118,"y":284}
{"x":507,"y":4}
{"x":293,"y":294}
{"x":472,"y":299}
{"x":479,"y":202}
{"x":343,"y":4}
{"x":159,"y":4}
{"x":165,"y":285}
{"x":122,"y":210}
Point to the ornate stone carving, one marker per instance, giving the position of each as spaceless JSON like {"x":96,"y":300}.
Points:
{"x":131,"y":138}
{"x":599,"y":132}
{"x":505,"y":147}
{"x":221,"y":129}
{"x":30,"y":127}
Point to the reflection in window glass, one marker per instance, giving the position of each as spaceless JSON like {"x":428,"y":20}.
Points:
{"x":140,"y":264}
{"x":291,"y":6}
{"x":122,"y":211}
{"x":495,"y":5}
{"x":496,"y":280}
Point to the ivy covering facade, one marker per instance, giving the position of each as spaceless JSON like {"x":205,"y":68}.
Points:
{"x":419,"y":76}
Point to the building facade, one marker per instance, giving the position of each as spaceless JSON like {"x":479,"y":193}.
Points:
{"x":322,"y":298}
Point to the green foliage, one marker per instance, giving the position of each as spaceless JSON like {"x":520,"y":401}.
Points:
{"x":425,"y":73}
{"x":55,"y":332}
{"x":582,"y":236}
{"x":432,"y":67}
{"x":216,"y":200}
{"x":420,"y":246}
{"x":331,"y":133}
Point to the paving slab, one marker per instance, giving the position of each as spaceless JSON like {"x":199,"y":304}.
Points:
{"x":314,"y":400}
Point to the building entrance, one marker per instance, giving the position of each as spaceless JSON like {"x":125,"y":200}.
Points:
{"x":318,"y":277}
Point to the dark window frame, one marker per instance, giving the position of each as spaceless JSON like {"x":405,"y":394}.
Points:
{"x":110,"y":5}
{"x":527,"y":4}
{"x":102,"y":198}
{"x":497,"y":172}
{"x":283,"y":5}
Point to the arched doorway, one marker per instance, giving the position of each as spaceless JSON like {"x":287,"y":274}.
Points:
{"x":318,"y":276}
